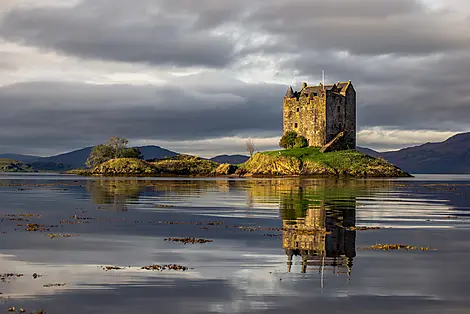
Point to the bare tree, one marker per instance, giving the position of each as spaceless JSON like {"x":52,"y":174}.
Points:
{"x":250,"y":146}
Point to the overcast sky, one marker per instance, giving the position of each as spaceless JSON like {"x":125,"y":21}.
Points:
{"x":201,"y":76}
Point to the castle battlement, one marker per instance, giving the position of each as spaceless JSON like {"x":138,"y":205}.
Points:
{"x":320,"y":112}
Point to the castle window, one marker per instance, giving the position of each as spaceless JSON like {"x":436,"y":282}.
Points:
{"x":315,"y":94}
{"x":295,"y":125}
{"x":340,"y":126}
{"x":298,"y":109}
{"x":339,"y":109}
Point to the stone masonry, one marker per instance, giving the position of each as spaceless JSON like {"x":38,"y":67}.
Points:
{"x":319,"y":113}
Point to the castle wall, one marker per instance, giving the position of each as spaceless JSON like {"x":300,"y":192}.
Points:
{"x":307,"y":117}
{"x":350,"y":128}
{"x":335,"y":115}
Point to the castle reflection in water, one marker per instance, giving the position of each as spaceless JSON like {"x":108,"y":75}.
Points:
{"x":317,"y":230}
{"x":317,"y":215}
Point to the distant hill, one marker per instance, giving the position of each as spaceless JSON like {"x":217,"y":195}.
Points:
{"x":10,"y":165}
{"x":66,"y":161}
{"x":368,"y":151}
{"x":76,"y":159}
{"x":156,"y":152}
{"x":449,"y":156}
{"x":230,"y":159}
{"x":19,"y":157}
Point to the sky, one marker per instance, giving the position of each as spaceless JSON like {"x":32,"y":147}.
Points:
{"x":202,"y":76}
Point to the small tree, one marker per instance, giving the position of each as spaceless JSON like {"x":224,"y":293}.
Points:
{"x":250,"y":146}
{"x":115,"y":148}
{"x":288,"y":140}
{"x":300,"y":142}
{"x":118,"y":145}
{"x":132,"y":152}
{"x":99,"y":154}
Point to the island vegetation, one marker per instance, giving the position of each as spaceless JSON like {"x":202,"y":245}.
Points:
{"x":115,"y":158}
{"x":10,"y":165}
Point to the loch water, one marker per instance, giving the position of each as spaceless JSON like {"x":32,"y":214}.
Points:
{"x":278,"y":245}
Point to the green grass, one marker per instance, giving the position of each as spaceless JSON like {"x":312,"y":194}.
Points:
{"x":309,"y":152}
{"x":338,"y":159}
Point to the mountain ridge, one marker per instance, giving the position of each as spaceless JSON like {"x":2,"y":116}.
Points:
{"x":230,"y":159}
{"x":76,"y":158}
{"x":451,"y":156}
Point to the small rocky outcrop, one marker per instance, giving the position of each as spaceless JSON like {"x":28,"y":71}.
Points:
{"x":273,"y":165}
{"x":10,"y":165}
{"x":225,"y":169}
{"x":185,"y":165}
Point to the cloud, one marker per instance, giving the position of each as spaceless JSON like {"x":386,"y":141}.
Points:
{"x":383,"y":139}
{"x":127,"y":32}
{"x":408,"y":61}
{"x":47,"y":116}
{"x":371,"y":27}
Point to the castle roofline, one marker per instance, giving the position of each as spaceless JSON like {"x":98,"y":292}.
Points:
{"x":290,"y":93}
{"x":339,"y":87}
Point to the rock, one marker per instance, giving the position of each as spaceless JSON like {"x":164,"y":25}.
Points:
{"x":264,"y":164}
{"x":226,"y":169}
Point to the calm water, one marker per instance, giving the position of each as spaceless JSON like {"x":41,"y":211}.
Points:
{"x":278,"y":245}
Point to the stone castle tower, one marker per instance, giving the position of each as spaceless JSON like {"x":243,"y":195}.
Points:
{"x":320,"y":113}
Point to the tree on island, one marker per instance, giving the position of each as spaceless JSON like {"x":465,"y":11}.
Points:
{"x":250,"y":146}
{"x":300,"y":142}
{"x":115,"y":147}
{"x":291,"y":140}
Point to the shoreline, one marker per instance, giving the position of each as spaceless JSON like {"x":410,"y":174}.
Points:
{"x":247,"y":176}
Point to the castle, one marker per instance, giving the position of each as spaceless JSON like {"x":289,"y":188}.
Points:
{"x":322,"y":113}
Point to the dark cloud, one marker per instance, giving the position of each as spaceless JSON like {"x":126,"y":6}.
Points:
{"x":369,"y":27}
{"x":41,"y":116}
{"x":180,"y":32}
{"x":129,"y":32}
{"x":409,"y":64}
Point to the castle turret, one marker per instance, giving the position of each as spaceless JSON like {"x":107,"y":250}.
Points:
{"x":290,"y":92}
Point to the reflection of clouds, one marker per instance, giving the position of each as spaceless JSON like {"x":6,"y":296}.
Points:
{"x":403,"y":210}
{"x":246,"y":272}
{"x":76,"y":276}
{"x":253,"y":289}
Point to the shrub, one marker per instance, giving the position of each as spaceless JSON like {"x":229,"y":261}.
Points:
{"x":300,"y":142}
{"x":288,"y":140}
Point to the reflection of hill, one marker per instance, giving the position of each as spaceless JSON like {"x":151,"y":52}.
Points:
{"x":114,"y":194}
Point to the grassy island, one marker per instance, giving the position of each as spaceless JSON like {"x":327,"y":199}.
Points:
{"x":311,"y":162}
{"x":182,"y":165}
{"x":289,"y":162}
{"x":10,"y":165}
